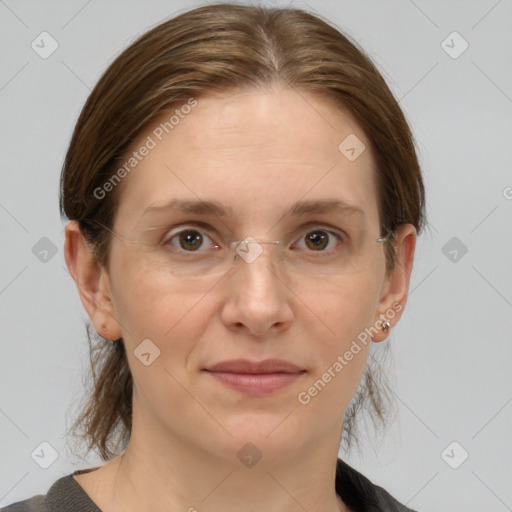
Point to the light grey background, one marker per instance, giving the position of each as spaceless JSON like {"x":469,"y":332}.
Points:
{"x":453,"y":346}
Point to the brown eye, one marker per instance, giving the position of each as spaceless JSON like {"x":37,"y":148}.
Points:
{"x":317,"y":240}
{"x":189,"y":240}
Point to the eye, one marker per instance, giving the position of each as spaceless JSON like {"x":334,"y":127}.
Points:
{"x":190,"y":240}
{"x":318,"y":240}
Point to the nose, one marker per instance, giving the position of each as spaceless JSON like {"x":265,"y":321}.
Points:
{"x":258,"y":299}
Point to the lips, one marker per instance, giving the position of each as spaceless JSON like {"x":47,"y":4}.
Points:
{"x":252,"y":367}
{"x":256,"y":378}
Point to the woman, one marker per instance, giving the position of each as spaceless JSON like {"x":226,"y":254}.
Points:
{"x":244,"y":198}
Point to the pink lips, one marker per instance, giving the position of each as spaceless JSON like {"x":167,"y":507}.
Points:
{"x":256,"y":378}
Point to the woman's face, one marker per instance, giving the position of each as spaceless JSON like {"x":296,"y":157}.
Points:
{"x":255,"y":153}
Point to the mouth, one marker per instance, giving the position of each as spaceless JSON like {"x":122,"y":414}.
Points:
{"x":256,"y":378}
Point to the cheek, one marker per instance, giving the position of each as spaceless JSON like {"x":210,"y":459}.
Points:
{"x":344,"y":312}
{"x":343,"y":308}
{"x":155,"y":307}
{"x":152,"y":304}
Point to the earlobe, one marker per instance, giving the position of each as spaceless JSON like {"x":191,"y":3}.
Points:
{"x":396,"y":289}
{"x":92,"y":282}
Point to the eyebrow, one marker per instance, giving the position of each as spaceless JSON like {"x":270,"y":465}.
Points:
{"x":297,"y":209}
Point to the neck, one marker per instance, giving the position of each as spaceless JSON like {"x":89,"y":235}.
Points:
{"x":161,"y":476}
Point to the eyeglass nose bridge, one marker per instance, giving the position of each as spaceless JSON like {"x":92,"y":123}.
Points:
{"x":249,"y":249}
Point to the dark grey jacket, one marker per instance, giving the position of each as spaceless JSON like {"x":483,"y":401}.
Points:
{"x":356,"y":491}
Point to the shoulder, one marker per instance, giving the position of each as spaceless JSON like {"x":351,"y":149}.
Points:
{"x":359,"y":493}
{"x":34,"y":504}
{"x":65,"y":495}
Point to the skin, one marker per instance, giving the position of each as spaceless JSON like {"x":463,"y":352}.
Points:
{"x":257,"y":152}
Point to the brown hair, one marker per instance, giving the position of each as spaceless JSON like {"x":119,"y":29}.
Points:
{"x":221,"y":48}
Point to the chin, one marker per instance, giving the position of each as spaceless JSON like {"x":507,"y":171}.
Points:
{"x":271,"y":438}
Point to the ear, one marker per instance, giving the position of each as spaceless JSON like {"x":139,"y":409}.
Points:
{"x":92,"y":282}
{"x":396,"y":285}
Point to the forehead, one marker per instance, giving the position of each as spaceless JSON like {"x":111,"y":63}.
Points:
{"x":254,"y":151}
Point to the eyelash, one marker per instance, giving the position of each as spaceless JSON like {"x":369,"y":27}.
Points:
{"x":167,"y":239}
